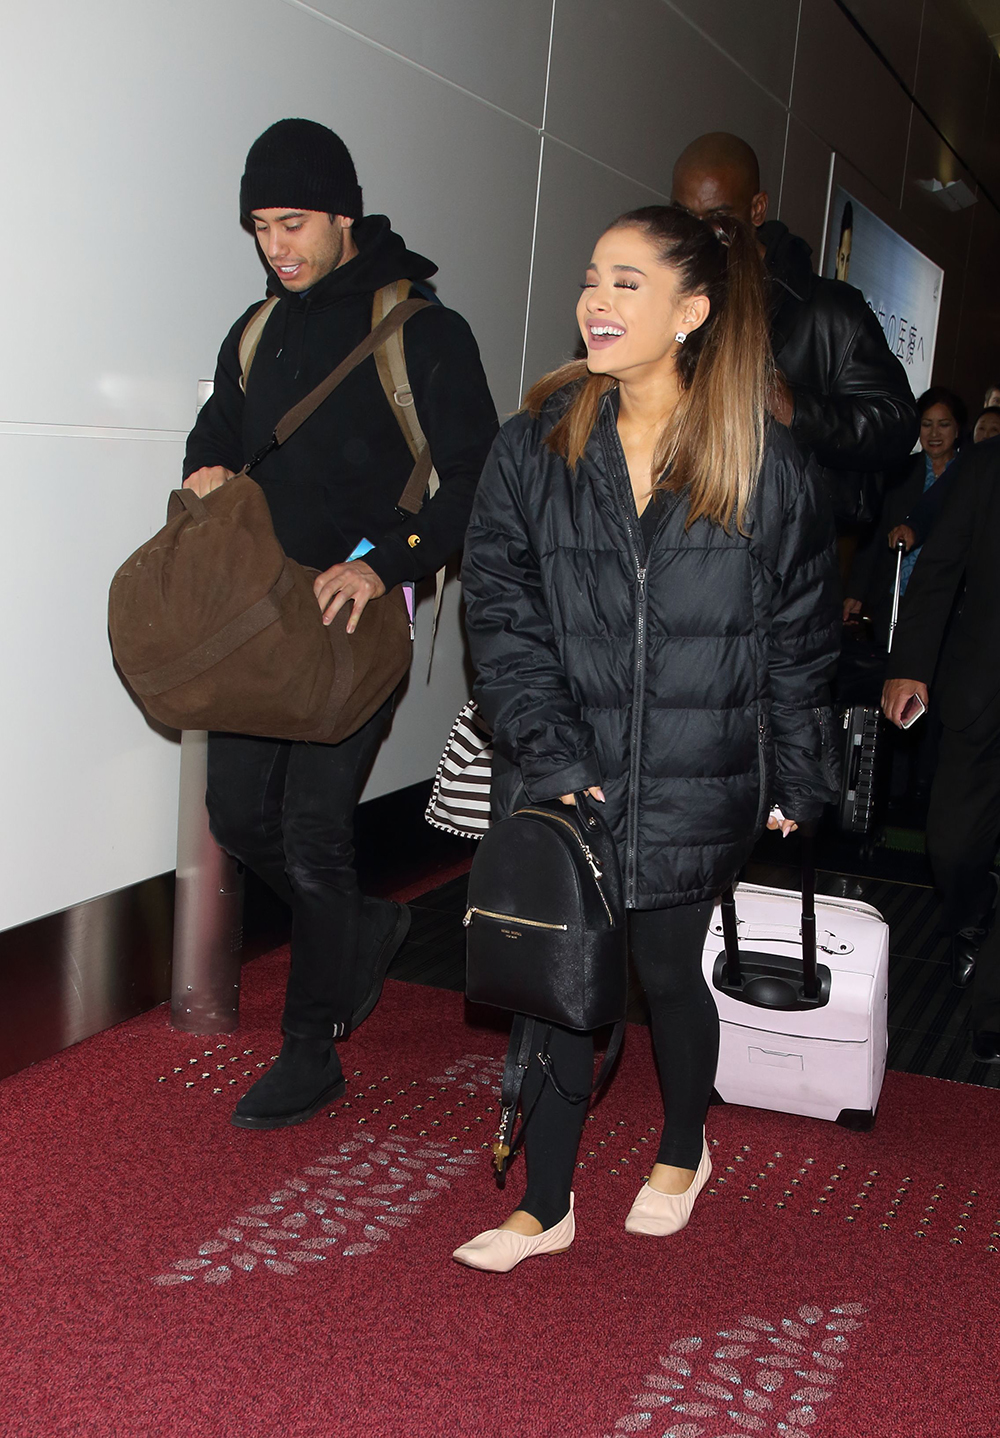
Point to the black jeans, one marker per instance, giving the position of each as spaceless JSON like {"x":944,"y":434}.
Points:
{"x":667,"y":949}
{"x":286,"y":810}
{"x":963,"y":830}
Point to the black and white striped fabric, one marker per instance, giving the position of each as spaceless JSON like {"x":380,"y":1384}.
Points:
{"x":460,"y":798}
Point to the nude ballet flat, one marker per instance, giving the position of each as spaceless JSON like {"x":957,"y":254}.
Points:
{"x":498,"y":1250}
{"x":660,"y":1214}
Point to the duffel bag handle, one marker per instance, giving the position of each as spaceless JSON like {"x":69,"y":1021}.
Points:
{"x":187,"y":499}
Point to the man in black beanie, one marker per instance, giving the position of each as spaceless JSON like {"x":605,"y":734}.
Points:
{"x":287,"y":809}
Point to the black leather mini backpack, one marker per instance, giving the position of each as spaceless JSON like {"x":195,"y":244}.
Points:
{"x":547,"y":937}
{"x":546,"y":918}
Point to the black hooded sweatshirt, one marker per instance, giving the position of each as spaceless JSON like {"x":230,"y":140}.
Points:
{"x":337,"y":479}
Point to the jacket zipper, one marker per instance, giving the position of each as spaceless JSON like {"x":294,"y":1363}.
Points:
{"x":761,"y":770}
{"x":617,"y":454}
{"x":511,"y":919}
{"x":588,"y":853}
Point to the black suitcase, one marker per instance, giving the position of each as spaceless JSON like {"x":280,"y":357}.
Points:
{"x":860,"y":680}
{"x":859,"y":765}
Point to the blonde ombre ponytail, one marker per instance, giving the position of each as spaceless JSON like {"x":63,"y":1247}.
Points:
{"x":712,"y":446}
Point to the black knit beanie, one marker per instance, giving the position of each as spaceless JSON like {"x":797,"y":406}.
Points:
{"x":303,"y":165}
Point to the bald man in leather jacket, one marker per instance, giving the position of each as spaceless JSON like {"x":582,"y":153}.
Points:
{"x":842,"y":394}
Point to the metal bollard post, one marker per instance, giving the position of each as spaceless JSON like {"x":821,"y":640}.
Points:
{"x":208,"y":910}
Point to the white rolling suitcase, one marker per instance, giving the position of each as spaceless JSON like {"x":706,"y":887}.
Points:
{"x":802,"y":992}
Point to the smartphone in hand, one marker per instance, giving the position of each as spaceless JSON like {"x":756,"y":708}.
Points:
{"x":912,"y":710}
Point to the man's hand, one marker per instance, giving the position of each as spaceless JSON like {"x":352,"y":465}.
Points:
{"x":851,"y":607}
{"x":782,"y":401}
{"x":203,"y":481}
{"x":354,"y":583}
{"x":902,"y":532}
{"x":896,"y":694}
{"x":595,"y":792}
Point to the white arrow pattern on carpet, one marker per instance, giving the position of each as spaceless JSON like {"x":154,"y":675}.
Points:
{"x":765,"y":1378}
{"x":346,"y":1204}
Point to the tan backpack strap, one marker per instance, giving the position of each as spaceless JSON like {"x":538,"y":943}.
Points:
{"x":250,"y":338}
{"x":390,"y":361}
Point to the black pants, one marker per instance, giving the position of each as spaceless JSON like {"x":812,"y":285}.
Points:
{"x":963,"y":823}
{"x":667,"y":949}
{"x":286,"y":810}
{"x":963,"y":830}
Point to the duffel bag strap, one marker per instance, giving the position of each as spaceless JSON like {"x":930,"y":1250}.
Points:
{"x":226,"y":641}
{"x":299,"y":413}
{"x":518,"y":1060}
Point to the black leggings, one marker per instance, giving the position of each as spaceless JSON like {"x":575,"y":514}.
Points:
{"x":666,"y":949}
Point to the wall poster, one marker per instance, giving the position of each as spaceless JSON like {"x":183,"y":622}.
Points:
{"x":902,"y":286}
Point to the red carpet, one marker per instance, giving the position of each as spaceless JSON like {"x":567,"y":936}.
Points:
{"x":166,"y":1274}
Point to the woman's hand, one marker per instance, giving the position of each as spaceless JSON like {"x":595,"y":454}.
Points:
{"x":595,"y":792}
{"x":851,"y":607}
{"x":777,"y":820}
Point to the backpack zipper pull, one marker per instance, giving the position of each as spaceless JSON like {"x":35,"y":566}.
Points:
{"x":468,"y":918}
{"x":595,"y":870}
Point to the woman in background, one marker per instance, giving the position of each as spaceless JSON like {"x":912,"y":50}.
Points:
{"x":651,"y":605}
{"x":873,"y":574}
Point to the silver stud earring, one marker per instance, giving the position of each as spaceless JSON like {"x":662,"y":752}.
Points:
{"x":680,"y":337}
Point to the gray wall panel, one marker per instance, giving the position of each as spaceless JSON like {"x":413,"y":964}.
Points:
{"x":894,"y":25}
{"x":845,"y":96}
{"x":650,"y":86}
{"x":159,"y":268}
{"x":953,"y":74}
{"x":497,"y":49}
{"x":805,"y":185}
{"x":578,"y":199}
{"x":760,"y":38}
{"x":946,"y":231}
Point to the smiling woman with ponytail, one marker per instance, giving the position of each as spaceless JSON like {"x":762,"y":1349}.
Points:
{"x":652,"y":609}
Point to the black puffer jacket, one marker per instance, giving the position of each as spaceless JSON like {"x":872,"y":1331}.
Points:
{"x":690,"y":683}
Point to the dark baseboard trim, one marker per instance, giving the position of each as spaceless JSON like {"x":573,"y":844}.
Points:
{"x":70,"y":975}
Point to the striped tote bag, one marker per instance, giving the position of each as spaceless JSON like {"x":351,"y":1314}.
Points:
{"x":460,"y":796}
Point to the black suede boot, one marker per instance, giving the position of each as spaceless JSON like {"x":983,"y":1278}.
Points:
{"x":305,"y":1078}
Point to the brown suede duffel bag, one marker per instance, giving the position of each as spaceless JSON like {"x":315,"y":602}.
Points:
{"x":214,"y":627}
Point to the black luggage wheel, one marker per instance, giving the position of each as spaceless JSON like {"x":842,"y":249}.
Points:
{"x":857,"y":1120}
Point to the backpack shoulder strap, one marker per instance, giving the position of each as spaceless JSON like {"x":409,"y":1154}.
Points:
{"x":250,"y":338}
{"x":390,"y":361}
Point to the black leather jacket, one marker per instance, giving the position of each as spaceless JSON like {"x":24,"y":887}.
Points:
{"x":854,"y":409}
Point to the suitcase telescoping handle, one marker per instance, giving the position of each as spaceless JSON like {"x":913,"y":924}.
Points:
{"x":772,"y":990}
